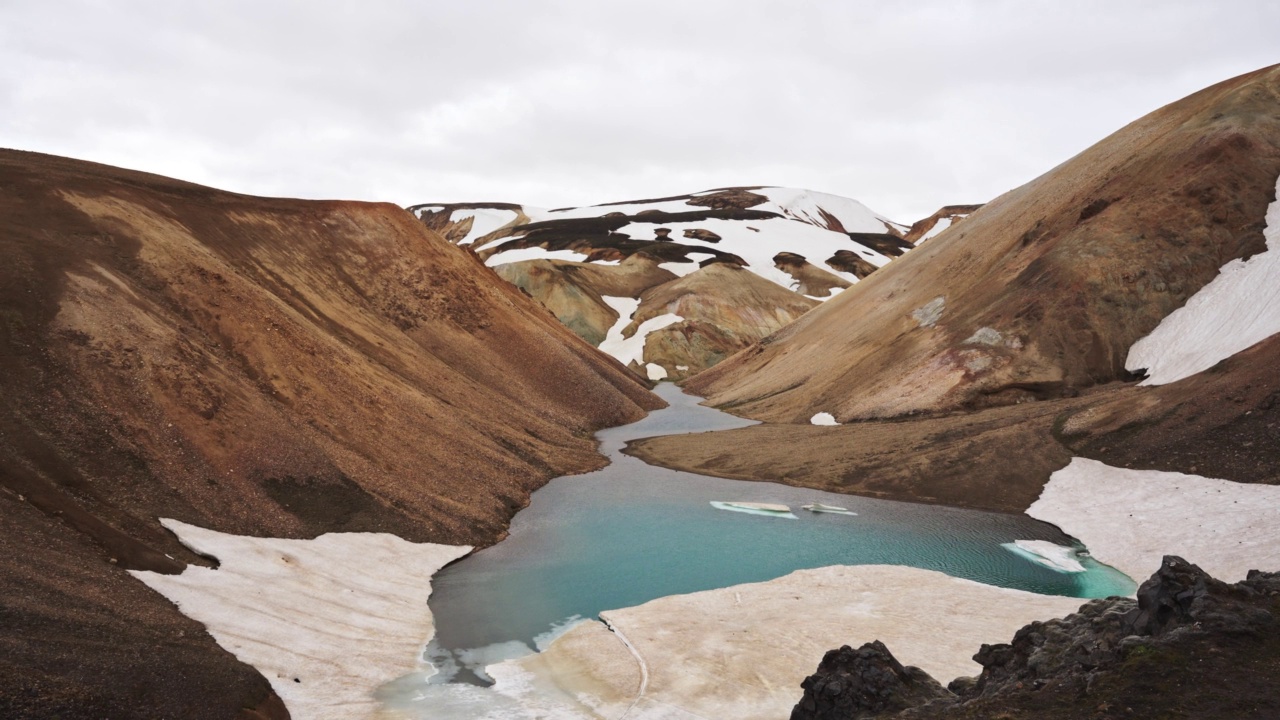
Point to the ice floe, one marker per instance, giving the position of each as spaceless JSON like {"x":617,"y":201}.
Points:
{"x":1047,"y":554}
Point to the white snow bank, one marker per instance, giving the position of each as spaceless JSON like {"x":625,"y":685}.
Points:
{"x":1238,"y":309}
{"x":1130,"y":519}
{"x":326,"y":621}
{"x":533,"y":253}
{"x":626,"y":349}
{"x":484,"y":221}
{"x":655,"y":371}
{"x":807,"y":206}
{"x":938,"y":227}
{"x":1043,"y":552}
{"x":823,"y":418}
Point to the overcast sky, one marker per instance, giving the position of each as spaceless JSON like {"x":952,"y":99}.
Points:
{"x":905,"y":106}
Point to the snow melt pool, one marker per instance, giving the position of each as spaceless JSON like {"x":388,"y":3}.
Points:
{"x":632,"y":532}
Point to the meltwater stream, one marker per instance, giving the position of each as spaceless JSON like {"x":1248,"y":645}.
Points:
{"x":633,"y":532}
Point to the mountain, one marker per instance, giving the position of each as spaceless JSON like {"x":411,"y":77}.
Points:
{"x":255,"y":366}
{"x":607,"y":267}
{"x":1041,"y":292}
{"x":1014,"y":355}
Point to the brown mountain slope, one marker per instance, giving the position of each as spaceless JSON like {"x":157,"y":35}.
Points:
{"x":1042,"y":291}
{"x":573,"y":291}
{"x":725,"y":308}
{"x":257,"y":366}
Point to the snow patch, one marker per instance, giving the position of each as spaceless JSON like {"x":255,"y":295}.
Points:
{"x":627,"y":349}
{"x":1130,"y":519}
{"x":655,"y":371}
{"x":326,"y":621}
{"x":533,"y":253}
{"x":807,"y":206}
{"x":1238,"y":309}
{"x":823,"y":418}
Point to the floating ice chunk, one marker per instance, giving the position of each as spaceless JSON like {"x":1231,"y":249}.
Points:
{"x":823,"y":419}
{"x":754,"y":508}
{"x":818,"y":507}
{"x":1047,"y":554}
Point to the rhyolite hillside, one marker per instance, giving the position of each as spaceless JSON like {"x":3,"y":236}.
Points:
{"x":607,"y":268}
{"x":1041,"y":292}
{"x":1004,"y":339}
{"x":256,"y":366}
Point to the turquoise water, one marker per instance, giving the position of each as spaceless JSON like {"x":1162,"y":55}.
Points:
{"x":633,"y":532}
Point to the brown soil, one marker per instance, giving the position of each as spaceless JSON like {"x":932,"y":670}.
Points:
{"x":1223,"y":423}
{"x":257,"y":366}
{"x":997,"y":459}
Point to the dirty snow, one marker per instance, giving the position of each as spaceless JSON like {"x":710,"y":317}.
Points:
{"x":1238,"y":309}
{"x":1130,"y":519}
{"x":326,"y":621}
{"x":666,"y":658}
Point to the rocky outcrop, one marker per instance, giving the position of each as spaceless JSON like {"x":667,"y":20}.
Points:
{"x":258,"y":366}
{"x":1188,"y":646}
{"x":854,"y":684}
{"x":724,"y":307}
{"x":946,"y":217}
{"x":810,"y":280}
{"x":1072,"y":269}
{"x":850,"y":262}
{"x":574,"y":292}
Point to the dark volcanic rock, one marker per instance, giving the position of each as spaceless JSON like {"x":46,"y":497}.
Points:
{"x":851,"y":262}
{"x":1190,"y":646}
{"x":863,"y":683}
{"x":740,"y":198}
{"x":703,"y":235}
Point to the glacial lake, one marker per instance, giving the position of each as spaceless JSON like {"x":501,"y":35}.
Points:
{"x":633,"y":532}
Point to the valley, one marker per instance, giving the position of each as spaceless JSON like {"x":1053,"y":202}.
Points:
{"x":264,"y":458}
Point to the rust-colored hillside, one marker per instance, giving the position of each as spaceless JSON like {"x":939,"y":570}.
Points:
{"x":1041,"y":292}
{"x":257,"y":366}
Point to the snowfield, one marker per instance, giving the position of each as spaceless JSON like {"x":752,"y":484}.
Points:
{"x":1238,"y":309}
{"x":800,"y":229}
{"x":1131,"y":519}
{"x":326,"y":621}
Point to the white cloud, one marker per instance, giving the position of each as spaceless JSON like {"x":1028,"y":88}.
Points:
{"x":576,"y":102}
